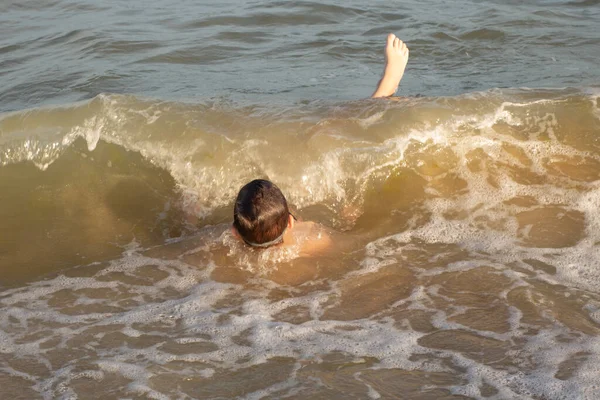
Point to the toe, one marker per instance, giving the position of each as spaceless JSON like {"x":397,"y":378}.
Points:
{"x":397,"y":43}
{"x":390,"y":39}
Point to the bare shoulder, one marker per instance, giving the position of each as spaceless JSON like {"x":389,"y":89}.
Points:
{"x":313,"y":237}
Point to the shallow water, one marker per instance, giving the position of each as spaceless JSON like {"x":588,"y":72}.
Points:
{"x":465,"y":219}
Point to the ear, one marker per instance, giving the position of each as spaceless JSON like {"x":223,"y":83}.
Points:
{"x":235,"y":232}
{"x":291,"y":221}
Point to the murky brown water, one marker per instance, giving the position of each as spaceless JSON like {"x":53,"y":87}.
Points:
{"x":465,"y":227}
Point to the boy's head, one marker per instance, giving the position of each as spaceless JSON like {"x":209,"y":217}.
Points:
{"x":261,"y":214}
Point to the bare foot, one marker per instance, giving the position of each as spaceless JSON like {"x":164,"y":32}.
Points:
{"x":396,"y":57}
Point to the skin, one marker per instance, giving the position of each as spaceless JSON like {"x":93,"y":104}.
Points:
{"x":396,"y":57}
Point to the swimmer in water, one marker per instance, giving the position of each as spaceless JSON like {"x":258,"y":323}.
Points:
{"x":261,"y":217}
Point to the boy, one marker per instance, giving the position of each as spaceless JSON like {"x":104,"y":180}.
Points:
{"x":261,"y":217}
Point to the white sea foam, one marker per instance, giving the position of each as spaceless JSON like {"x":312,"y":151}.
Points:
{"x":201,"y":318}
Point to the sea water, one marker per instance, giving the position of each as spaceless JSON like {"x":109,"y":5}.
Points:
{"x":464,"y":214}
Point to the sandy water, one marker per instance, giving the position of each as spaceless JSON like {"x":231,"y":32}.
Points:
{"x":465,"y":219}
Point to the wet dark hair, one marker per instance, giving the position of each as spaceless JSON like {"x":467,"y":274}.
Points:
{"x":260,"y":213}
